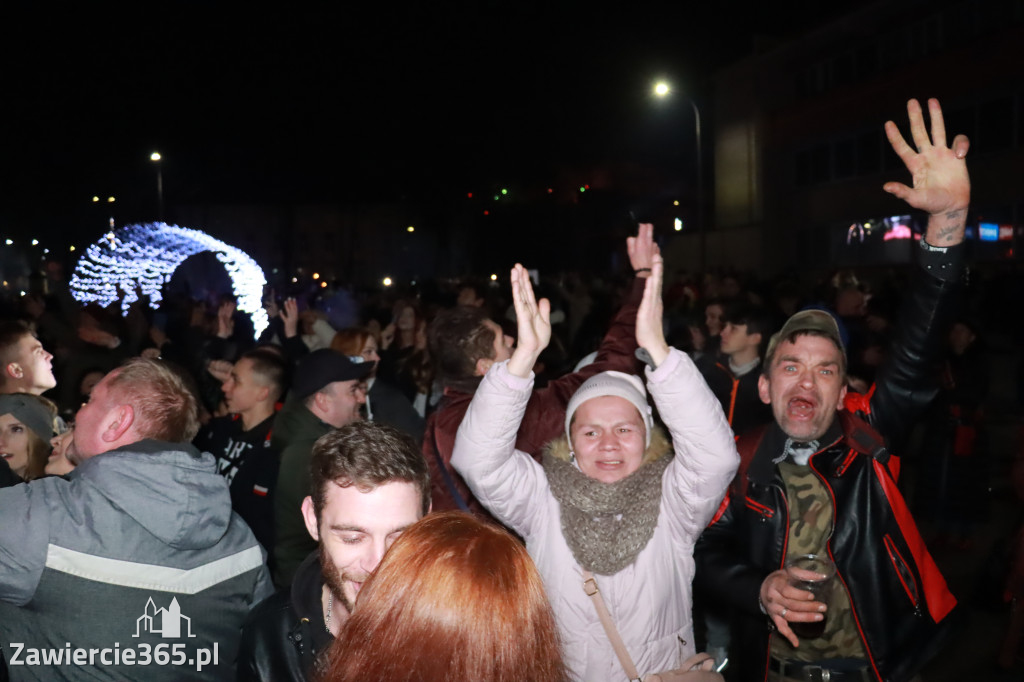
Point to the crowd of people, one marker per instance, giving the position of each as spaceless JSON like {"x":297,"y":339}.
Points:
{"x":534,"y":488}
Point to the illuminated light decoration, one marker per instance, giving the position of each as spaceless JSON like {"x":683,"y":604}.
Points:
{"x":504,"y":191}
{"x":387,"y":281}
{"x":678,"y":225}
{"x":583,"y":189}
{"x":35,"y":242}
{"x":855,"y":231}
{"x":323,"y":285}
{"x":899,"y":228}
{"x":494,"y":278}
{"x":145,"y":257}
{"x":9,"y":242}
{"x":487,"y":213}
{"x":72,"y":248}
{"x":469,"y":195}
{"x":316,"y":275}
{"x":988,"y":232}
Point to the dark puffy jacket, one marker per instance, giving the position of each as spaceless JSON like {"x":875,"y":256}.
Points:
{"x":901,"y":603}
{"x":285,"y":634}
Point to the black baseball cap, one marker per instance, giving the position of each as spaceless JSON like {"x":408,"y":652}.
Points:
{"x":325,"y":366}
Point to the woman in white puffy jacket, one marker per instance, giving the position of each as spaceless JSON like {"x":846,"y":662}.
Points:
{"x":612,"y":496}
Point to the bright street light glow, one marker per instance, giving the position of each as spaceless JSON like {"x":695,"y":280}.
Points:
{"x":35,"y":242}
{"x":323,"y":285}
{"x":676,"y":202}
{"x":9,"y":242}
{"x":72,"y":247}
{"x":494,"y":278}
{"x":662,"y":89}
{"x":678,"y":225}
{"x":155,"y":156}
{"x":95,"y":199}
{"x":110,"y":200}
{"x":316,"y":275}
{"x":410,"y":229}
{"x":387,"y":281}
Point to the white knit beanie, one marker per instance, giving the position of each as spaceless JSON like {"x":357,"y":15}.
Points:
{"x":619,"y":384}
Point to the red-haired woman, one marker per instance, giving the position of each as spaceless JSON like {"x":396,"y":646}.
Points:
{"x":453,"y":599}
{"x":385,"y":403}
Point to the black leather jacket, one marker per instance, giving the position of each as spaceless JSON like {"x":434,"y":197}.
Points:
{"x":901,"y":603}
{"x":285,"y":633}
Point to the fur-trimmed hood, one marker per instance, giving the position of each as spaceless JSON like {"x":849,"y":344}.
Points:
{"x":659,"y":447}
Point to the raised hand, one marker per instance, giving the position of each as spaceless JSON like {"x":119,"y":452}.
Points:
{"x":225,"y":319}
{"x":941,"y":185}
{"x":534,"y":321}
{"x":220,"y":369}
{"x":290,"y":317}
{"x":650,"y":334}
{"x":642,"y":250}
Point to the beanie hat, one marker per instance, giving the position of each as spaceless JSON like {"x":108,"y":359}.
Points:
{"x":619,"y":384}
{"x":30,"y":411}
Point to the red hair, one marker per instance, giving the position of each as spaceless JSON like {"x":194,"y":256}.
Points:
{"x":453,"y":599}
{"x":351,"y":341}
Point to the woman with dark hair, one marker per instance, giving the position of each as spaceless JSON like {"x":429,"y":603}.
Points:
{"x":453,"y":599}
{"x":404,"y":359}
{"x":26,"y":427}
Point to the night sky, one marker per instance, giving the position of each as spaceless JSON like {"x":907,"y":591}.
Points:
{"x":373,"y":104}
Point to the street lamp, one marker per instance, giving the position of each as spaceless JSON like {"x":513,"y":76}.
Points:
{"x":662,"y":90}
{"x":156,"y":158}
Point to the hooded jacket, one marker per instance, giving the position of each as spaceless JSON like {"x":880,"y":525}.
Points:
{"x":650,"y":599}
{"x":137,"y":549}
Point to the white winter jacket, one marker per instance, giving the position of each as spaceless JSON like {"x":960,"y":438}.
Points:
{"x":650,"y":600}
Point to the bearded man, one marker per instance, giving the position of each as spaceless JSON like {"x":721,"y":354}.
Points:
{"x":369,"y":483}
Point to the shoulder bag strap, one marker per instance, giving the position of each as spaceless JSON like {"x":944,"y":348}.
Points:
{"x":448,"y":481}
{"x":590,"y":587}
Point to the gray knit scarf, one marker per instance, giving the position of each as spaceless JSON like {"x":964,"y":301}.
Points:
{"x":606,"y":524}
